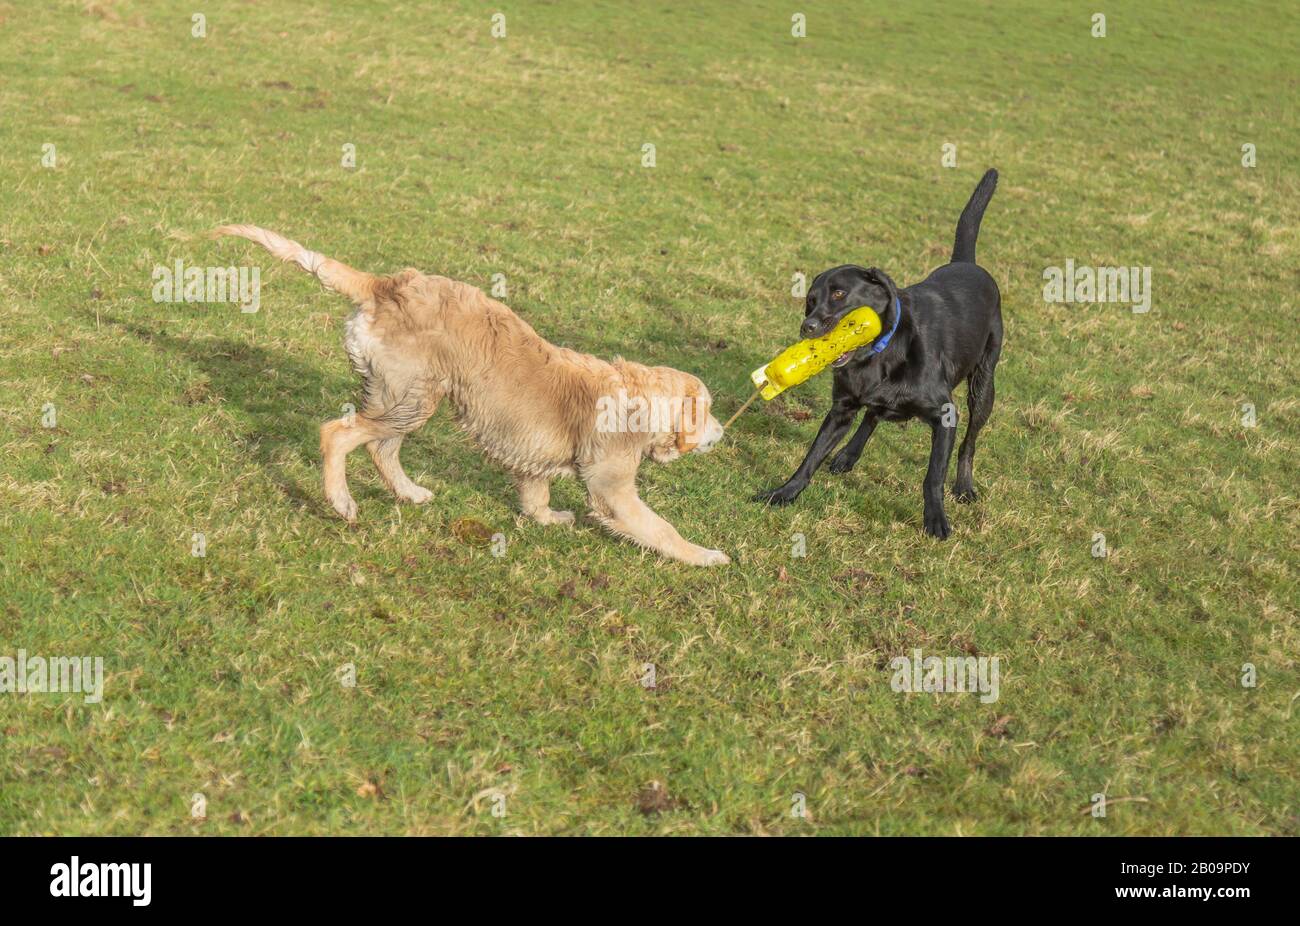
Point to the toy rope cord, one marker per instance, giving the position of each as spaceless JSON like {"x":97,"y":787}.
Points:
{"x":798,"y":362}
{"x":748,"y":402}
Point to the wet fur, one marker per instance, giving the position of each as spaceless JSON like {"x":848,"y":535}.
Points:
{"x":417,"y":339}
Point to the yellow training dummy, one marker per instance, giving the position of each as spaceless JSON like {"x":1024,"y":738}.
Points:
{"x":806,"y":359}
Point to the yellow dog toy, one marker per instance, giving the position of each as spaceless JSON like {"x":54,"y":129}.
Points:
{"x":802,"y":361}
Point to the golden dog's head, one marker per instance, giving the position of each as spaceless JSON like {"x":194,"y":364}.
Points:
{"x":663,"y":412}
{"x":691,"y":425}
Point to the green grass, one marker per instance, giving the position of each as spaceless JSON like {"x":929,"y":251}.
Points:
{"x":520,"y":674}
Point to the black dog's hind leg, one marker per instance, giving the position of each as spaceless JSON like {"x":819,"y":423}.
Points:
{"x":943,"y":434}
{"x":979,"y":402}
{"x":832,"y":431}
{"x":846,"y":458}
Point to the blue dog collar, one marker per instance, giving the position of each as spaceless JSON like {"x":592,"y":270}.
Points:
{"x":882,"y":342}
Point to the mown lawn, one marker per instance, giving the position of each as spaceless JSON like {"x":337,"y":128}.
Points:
{"x":514,"y":683}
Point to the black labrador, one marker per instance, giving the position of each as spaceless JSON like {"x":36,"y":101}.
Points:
{"x":944,"y":329}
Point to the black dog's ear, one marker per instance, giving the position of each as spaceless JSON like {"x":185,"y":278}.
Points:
{"x":876,"y":275}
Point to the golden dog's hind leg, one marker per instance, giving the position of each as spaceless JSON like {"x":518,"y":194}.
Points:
{"x":535,"y":501}
{"x":338,"y":438}
{"x":615,"y":503}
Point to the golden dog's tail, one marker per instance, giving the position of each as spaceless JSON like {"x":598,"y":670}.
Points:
{"x":354,"y":284}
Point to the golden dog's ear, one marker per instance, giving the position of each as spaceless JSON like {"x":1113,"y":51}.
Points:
{"x":691,"y":416}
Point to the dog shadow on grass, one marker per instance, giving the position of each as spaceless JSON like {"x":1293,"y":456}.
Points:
{"x":283,"y":400}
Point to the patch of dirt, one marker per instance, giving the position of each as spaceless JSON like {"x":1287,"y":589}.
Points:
{"x":471,"y":531}
{"x":196,"y":393}
{"x":654,"y":799}
{"x":1000,"y":728}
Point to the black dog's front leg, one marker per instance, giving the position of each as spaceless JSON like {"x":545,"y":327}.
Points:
{"x":943,"y":433}
{"x":832,"y":431}
{"x":846,"y":458}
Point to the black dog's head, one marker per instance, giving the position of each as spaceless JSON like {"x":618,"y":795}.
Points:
{"x":840,"y":290}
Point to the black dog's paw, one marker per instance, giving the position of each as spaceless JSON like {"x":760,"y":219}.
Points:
{"x":965,"y":496}
{"x":782,"y":496}
{"x":842,"y":463}
{"x":936,"y":525}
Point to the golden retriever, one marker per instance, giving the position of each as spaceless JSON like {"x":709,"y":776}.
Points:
{"x":539,"y":410}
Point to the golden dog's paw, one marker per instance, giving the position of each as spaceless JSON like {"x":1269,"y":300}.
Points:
{"x":548,"y":516}
{"x":416,"y":495}
{"x":346,"y":508}
{"x":712,"y":558}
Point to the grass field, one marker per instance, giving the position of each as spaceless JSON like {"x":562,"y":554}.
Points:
{"x":514,"y":683}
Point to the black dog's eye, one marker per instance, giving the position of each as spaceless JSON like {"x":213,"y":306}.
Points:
{"x":838,"y":294}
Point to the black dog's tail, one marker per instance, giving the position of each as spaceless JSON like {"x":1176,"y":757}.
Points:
{"x":968,"y":226}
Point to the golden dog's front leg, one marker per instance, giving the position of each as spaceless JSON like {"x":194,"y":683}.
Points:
{"x":535,"y":501}
{"x":385,"y":453}
{"x":615,"y":503}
